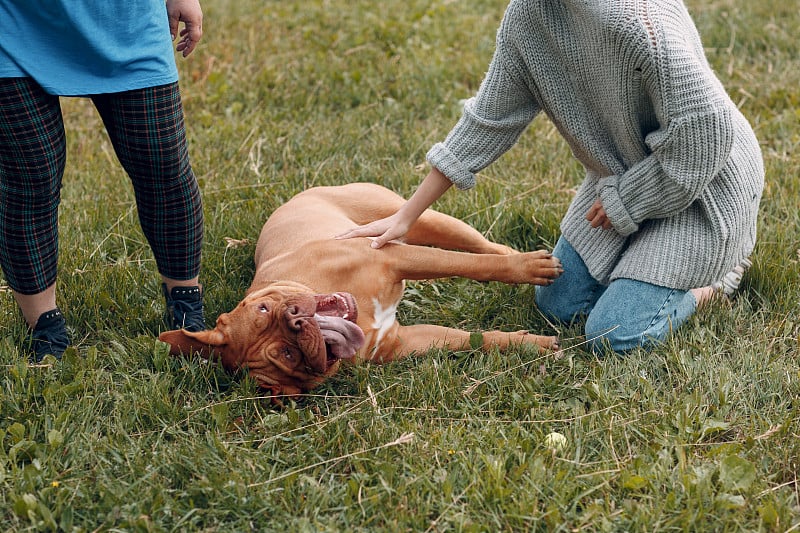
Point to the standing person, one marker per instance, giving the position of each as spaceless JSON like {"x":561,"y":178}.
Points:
{"x":119,"y":54}
{"x":666,"y":214}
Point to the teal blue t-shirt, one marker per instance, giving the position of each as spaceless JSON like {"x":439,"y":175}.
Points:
{"x":80,"y":47}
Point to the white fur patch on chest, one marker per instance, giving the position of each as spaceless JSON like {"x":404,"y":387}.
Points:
{"x":383,"y":319}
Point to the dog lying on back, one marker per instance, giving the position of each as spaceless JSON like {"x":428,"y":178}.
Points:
{"x":316,"y":300}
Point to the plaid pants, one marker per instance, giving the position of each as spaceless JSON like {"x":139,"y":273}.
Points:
{"x":147,"y":131}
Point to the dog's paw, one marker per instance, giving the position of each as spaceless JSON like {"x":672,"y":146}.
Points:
{"x":541,"y":267}
{"x":505,"y":340}
{"x":551,"y":343}
{"x":546,"y":342}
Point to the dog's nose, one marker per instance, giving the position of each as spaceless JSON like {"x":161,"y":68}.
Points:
{"x":294,"y":317}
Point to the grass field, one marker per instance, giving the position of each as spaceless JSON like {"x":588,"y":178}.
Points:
{"x":701,"y":434}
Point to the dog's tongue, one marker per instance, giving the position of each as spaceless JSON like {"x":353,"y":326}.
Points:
{"x":343,"y":337}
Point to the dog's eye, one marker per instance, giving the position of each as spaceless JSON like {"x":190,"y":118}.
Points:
{"x":262,"y":308}
{"x":287,"y":353}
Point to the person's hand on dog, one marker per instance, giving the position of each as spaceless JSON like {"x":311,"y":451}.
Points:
{"x":384,"y":230}
{"x":597,"y":216}
{"x":396,"y":226}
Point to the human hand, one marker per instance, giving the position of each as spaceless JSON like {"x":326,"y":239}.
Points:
{"x":397,"y":225}
{"x":384,"y":230}
{"x":190,"y":13}
{"x":597,"y":216}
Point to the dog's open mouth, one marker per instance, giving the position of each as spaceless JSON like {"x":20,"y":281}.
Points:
{"x":336,"y":316}
{"x":340,"y":304}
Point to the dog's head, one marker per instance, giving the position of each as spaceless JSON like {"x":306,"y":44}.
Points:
{"x":288,"y":338}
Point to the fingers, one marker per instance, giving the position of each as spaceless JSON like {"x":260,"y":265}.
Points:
{"x":597,"y":219}
{"x":190,"y":36}
{"x":597,"y":216}
{"x":189,"y":41}
{"x":378,"y":242}
{"x":378,"y":238}
{"x":358,"y":231}
{"x":173,"y":26}
{"x":385,"y":237}
{"x":190,"y":13}
{"x":383,"y":231}
{"x":600,"y":220}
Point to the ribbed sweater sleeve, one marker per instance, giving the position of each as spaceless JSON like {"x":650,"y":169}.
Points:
{"x":696,"y":134}
{"x":685,"y":157}
{"x":491,"y":123}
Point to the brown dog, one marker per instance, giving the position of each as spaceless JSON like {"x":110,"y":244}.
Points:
{"x":316,"y":300}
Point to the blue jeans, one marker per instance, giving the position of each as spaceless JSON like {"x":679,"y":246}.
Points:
{"x":623,"y":315}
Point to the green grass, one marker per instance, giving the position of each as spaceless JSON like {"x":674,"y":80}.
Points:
{"x":701,"y":434}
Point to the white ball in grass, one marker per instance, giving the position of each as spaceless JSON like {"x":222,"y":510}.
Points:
{"x":555,"y":441}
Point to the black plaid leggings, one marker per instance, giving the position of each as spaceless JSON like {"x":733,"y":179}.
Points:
{"x":147,"y":131}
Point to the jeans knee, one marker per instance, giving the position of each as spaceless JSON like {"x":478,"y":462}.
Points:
{"x":602,"y":336}
{"x":550,"y":304}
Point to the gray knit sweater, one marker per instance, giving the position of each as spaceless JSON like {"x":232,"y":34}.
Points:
{"x":626,"y":82}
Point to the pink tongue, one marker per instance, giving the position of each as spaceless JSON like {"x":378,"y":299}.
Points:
{"x":342,"y":336}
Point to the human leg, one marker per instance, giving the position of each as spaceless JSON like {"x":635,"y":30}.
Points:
{"x":573,"y":294}
{"x":632,"y":314}
{"x":32,"y":160}
{"x":147,"y":131}
{"x":626,"y":314}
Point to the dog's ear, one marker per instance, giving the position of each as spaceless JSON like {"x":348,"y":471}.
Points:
{"x":185,"y":342}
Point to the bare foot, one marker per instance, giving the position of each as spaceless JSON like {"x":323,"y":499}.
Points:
{"x":703,"y":295}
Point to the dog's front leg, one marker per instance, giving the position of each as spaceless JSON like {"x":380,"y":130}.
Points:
{"x":422,"y":262}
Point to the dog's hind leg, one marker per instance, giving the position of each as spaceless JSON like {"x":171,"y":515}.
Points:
{"x":366,"y":202}
{"x":437,"y":229}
